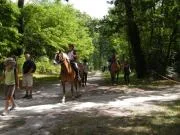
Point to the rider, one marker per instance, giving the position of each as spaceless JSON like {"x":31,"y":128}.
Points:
{"x":112,"y":59}
{"x":73,"y":57}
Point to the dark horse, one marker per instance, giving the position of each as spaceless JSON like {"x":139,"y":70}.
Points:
{"x":83,"y":74}
{"x":67,"y":74}
{"x":114,"y":71}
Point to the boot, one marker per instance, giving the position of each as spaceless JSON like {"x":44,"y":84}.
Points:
{"x":25,"y":96}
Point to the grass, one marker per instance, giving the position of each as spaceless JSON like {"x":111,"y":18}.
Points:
{"x":139,"y":83}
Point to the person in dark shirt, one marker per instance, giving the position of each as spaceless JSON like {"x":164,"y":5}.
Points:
{"x":127,"y":72}
{"x":28,"y":70}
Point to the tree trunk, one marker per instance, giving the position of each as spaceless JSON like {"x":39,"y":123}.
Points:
{"x":172,"y":38}
{"x":21,"y":19}
{"x":133,"y":33}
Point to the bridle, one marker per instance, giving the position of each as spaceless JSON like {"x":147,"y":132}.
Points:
{"x":59,"y":59}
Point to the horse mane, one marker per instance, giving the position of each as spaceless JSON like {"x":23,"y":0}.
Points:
{"x":65,"y":56}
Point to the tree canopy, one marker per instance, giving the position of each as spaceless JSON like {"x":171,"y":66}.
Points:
{"x":146,"y":32}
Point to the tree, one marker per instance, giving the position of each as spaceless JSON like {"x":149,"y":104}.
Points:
{"x":48,"y":27}
{"x":133,"y":33}
{"x":9,"y":36}
{"x":21,"y":21}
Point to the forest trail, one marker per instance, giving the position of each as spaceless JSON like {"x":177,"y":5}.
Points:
{"x":45,"y":115}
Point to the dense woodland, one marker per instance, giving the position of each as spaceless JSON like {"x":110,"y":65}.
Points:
{"x":144,"y":32}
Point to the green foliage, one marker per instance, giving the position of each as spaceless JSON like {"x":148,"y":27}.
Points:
{"x":53,"y":26}
{"x":45,"y":66}
{"x":157,"y":22}
{"x":9,"y":36}
{"x":48,"y":26}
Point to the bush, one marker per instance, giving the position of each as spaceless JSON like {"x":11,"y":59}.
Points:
{"x":46,"y":66}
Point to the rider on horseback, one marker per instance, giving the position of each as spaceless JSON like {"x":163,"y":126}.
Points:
{"x":112,"y":59}
{"x":73,"y":57}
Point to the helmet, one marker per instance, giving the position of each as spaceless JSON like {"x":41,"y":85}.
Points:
{"x":71,"y":45}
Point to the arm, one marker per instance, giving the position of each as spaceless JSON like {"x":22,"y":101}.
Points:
{"x":16,"y":78}
{"x":1,"y":78}
{"x":30,"y":65}
{"x":30,"y":70}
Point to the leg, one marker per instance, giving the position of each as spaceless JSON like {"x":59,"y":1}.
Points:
{"x":76,"y":86}
{"x":24,"y":84}
{"x":27,"y":93}
{"x":112,"y":78}
{"x":75,"y":67}
{"x":128,"y":81}
{"x":13,"y":103}
{"x":6,"y":106}
{"x":7,"y":99}
{"x":72,"y":90}
{"x":64,"y":93}
{"x":29,"y":85}
{"x":125,"y":78}
{"x":12,"y":97}
{"x":30,"y":92}
{"x":85,"y":78}
{"x":117,"y":77}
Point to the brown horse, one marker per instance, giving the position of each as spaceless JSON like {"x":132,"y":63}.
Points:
{"x":114,"y":71}
{"x":83,"y":73}
{"x":67,"y":74}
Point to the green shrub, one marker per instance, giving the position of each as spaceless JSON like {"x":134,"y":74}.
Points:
{"x":46,"y":66}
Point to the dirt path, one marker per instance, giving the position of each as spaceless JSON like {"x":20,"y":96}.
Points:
{"x":99,"y":104}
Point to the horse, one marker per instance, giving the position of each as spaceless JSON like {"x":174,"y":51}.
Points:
{"x":84,"y":79}
{"x":67,"y":74}
{"x":81,"y":72}
{"x":114,"y":71}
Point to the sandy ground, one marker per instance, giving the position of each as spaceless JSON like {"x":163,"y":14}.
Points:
{"x":40,"y":115}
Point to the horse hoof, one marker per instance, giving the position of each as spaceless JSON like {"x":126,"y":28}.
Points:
{"x":63,"y":100}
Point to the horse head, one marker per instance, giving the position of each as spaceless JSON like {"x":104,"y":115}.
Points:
{"x":60,"y":57}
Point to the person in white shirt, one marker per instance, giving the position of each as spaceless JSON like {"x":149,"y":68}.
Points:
{"x":73,"y":58}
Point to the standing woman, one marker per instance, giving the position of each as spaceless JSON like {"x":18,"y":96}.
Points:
{"x":10,"y":78}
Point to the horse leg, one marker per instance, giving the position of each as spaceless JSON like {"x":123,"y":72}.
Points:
{"x":64,"y":93}
{"x":117,"y":77}
{"x":72,"y":90}
{"x":76,"y":82}
{"x":85,"y":79}
{"x":112,"y":78}
{"x":82,"y":82}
